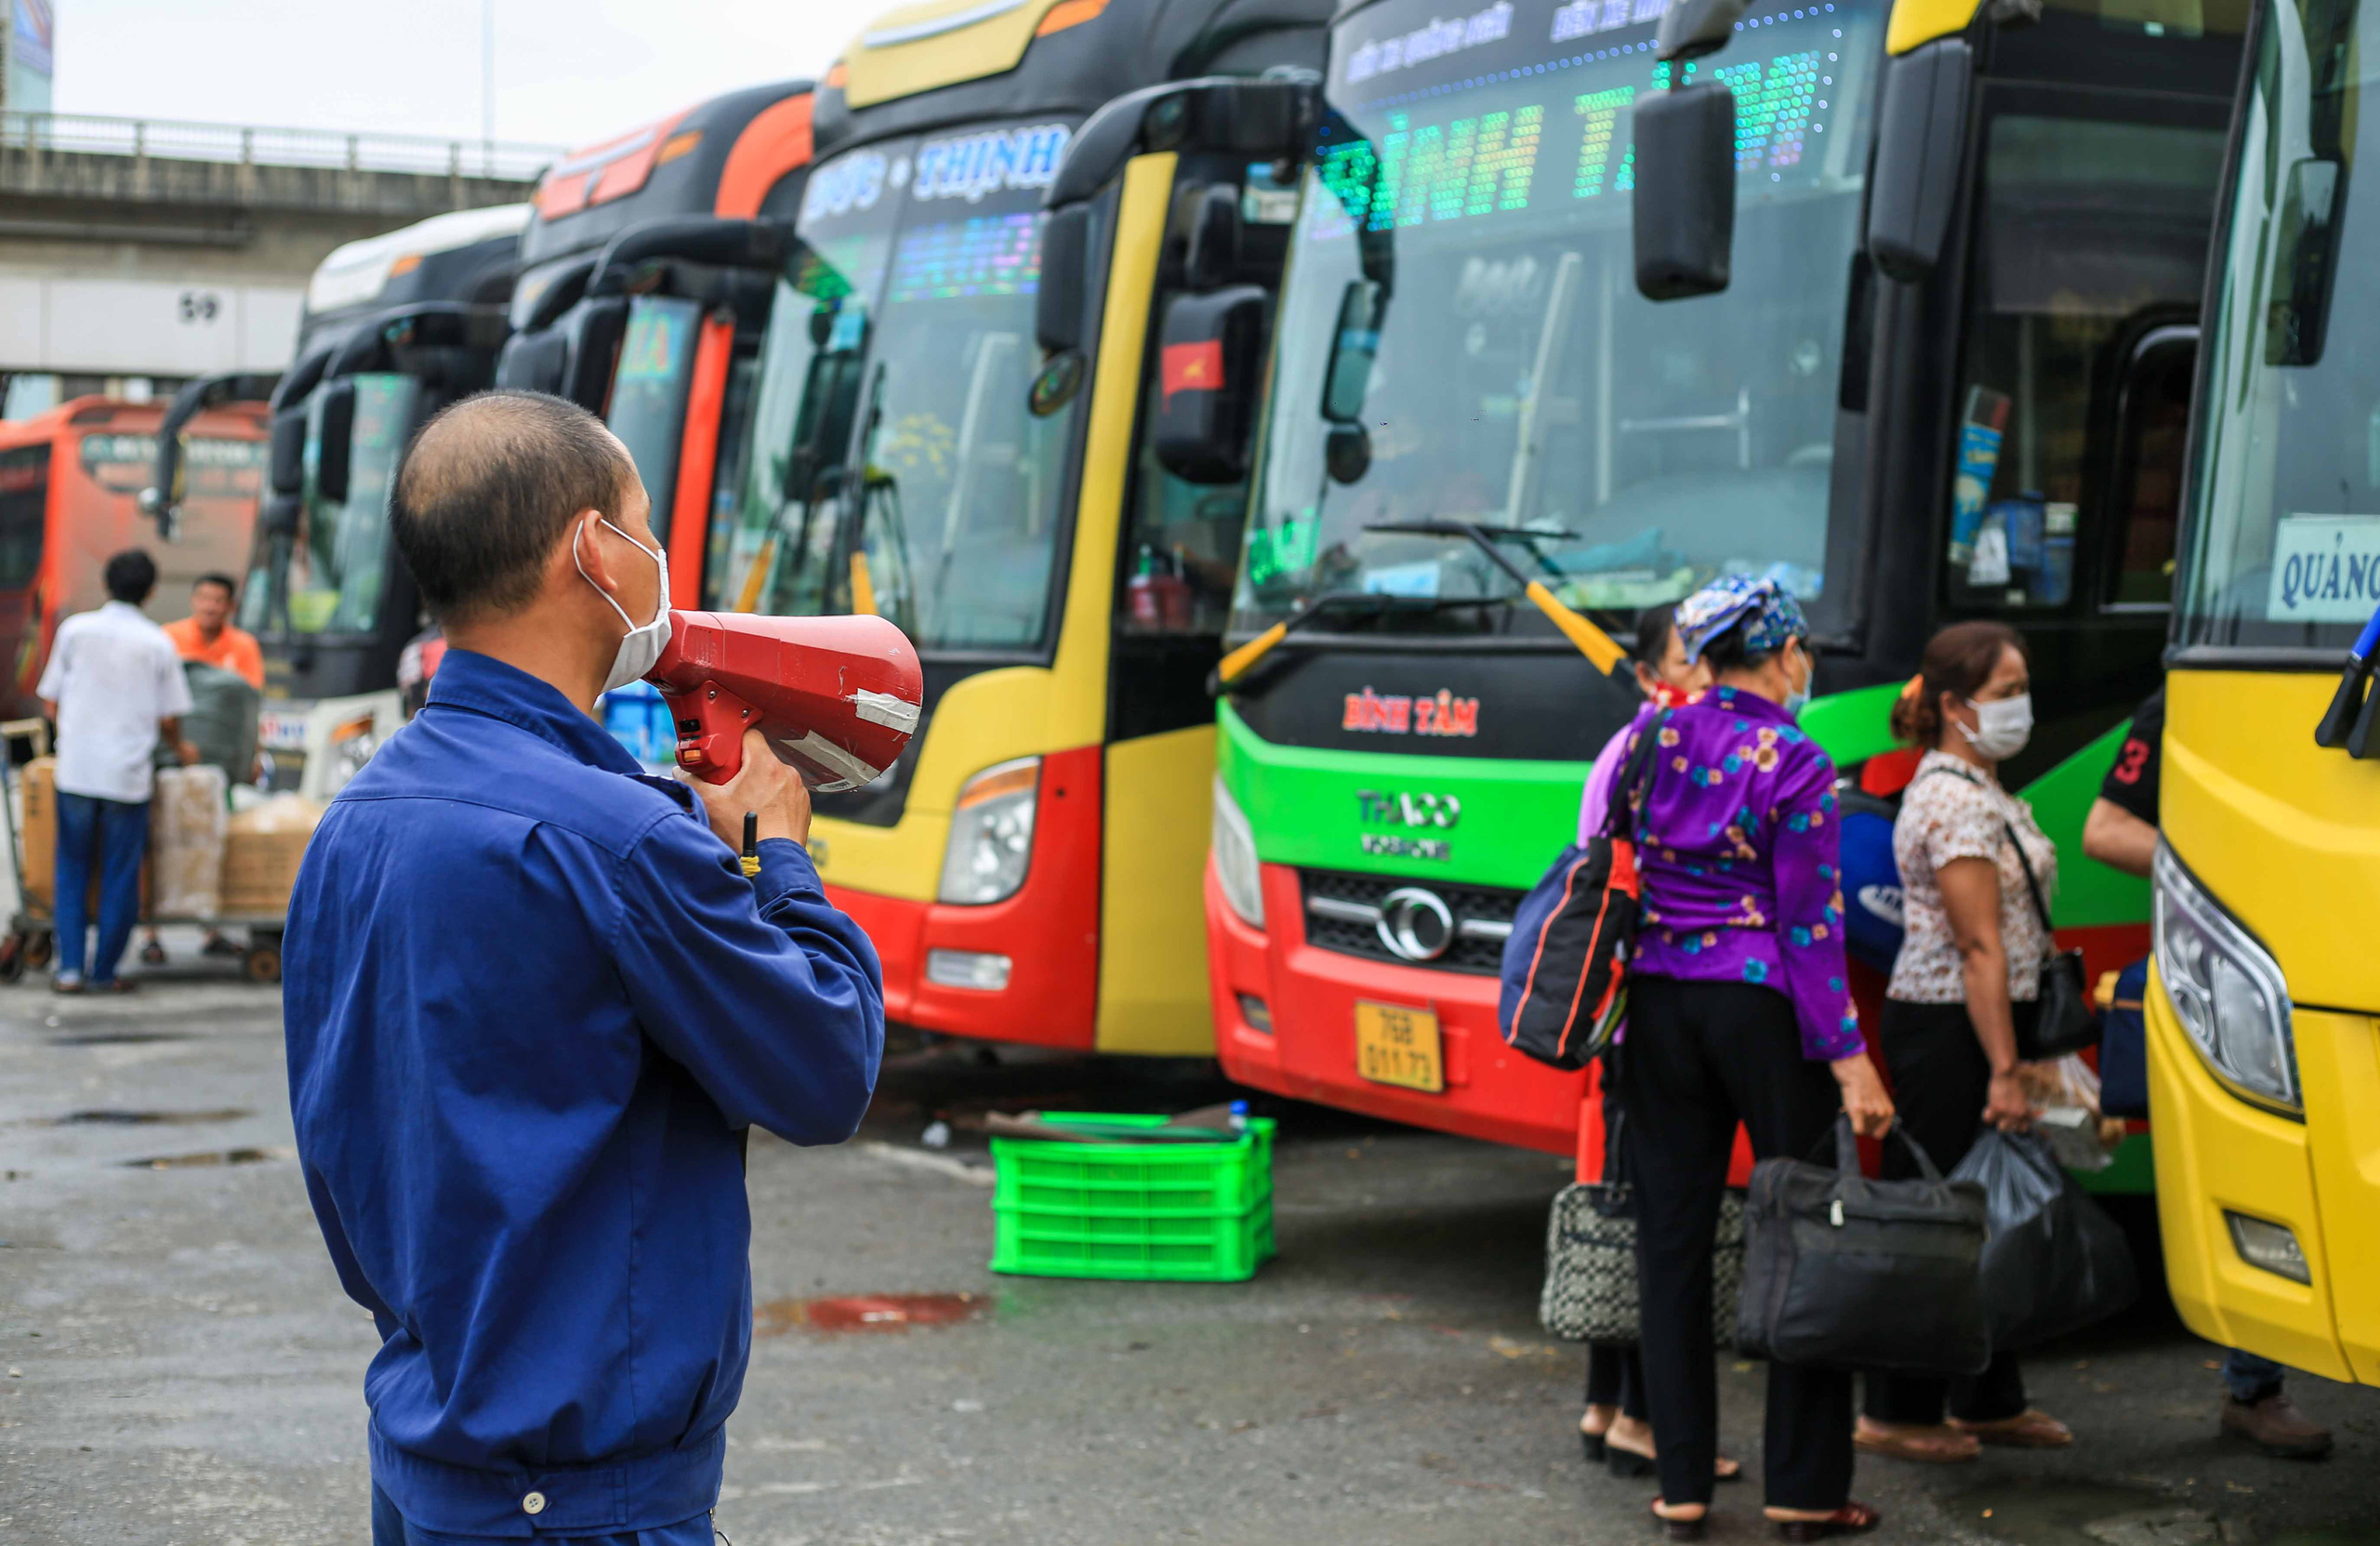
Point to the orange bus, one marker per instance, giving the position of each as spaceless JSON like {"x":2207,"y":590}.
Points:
{"x":647,"y":273}
{"x":71,"y":481}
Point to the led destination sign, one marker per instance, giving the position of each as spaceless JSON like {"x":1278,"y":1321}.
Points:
{"x":1536,"y":102}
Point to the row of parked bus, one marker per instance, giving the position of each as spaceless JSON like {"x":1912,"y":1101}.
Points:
{"x":1138,"y":355}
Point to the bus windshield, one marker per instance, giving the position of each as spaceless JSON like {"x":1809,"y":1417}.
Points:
{"x":1461,"y":336}
{"x":649,"y":390}
{"x":2284,"y":522}
{"x":331,"y":574}
{"x":893,"y":466}
{"x":223,"y":481}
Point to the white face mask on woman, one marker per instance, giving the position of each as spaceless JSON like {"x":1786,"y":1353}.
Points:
{"x":640,"y":648}
{"x":2001,"y":727}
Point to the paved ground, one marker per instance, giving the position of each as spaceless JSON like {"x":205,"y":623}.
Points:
{"x":180,"y":1367}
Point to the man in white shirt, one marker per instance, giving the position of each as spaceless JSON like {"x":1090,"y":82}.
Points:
{"x":115,"y":685}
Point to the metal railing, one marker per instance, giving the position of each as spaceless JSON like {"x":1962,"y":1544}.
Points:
{"x":256,"y":145}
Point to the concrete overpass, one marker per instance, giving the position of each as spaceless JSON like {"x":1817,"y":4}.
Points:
{"x":137,"y":253}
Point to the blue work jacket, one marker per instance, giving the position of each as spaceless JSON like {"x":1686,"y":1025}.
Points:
{"x":531,"y":1002}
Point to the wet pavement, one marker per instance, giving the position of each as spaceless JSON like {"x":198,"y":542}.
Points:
{"x":178,"y":1365}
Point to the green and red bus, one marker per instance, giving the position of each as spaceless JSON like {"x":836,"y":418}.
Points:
{"x":1948,"y":377}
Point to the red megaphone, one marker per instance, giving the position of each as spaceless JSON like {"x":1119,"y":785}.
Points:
{"x":837,"y":698}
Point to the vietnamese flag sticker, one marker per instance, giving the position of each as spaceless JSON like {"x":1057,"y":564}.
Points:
{"x":1194,"y":368}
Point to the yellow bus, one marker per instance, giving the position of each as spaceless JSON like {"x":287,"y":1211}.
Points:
{"x":956,"y":427}
{"x":2263,"y":1013}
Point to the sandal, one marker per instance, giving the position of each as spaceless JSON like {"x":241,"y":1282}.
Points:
{"x":1934,"y":1445}
{"x":1850,"y":1519}
{"x":1630,"y":1464}
{"x":1677,"y":1529}
{"x":152,"y":954}
{"x":2031,"y":1429}
{"x":1591,"y":1439}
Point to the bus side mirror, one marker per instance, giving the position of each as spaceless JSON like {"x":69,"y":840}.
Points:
{"x":1920,"y":135}
{"x":2302,"y":262}
{"x":279,"y":517}
{"x":1683,"y":206}
{"x":1355,"y":343}
{"x":1065,"y":274}
{"x":1209,"y":361}
{"x":338,"y":431}
{"x":286,"y":462}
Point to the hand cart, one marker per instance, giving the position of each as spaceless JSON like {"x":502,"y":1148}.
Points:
{"x":31,"y":940}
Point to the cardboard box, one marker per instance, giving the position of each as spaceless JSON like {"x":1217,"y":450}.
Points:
{"x":261,"y":853}
{"x":39,"y":838}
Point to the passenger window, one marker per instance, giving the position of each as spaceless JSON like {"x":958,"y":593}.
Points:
{"x":2094,"y":232}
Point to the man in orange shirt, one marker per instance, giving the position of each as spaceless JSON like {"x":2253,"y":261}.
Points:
{"x":208,"y":636}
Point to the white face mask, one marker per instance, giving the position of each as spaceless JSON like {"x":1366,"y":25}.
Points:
{"x":640,"y":647}
{"x":1798,"y":698}
{"x":2000,"y":728}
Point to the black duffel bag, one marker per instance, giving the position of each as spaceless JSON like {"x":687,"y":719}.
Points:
{"x":1841,"y":1272}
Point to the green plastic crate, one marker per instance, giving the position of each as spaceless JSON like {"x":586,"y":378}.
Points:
{"x":1199,"y":1212}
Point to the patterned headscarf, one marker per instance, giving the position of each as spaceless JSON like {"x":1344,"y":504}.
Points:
{"x":1768,"y":611}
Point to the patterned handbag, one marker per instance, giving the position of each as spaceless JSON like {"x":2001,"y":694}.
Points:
{"x":1590,"y":1294}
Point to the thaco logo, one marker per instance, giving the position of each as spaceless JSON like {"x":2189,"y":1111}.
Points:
{"x":1410,"y":810}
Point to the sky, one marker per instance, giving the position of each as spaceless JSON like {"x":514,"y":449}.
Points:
{"x":567,"y":72}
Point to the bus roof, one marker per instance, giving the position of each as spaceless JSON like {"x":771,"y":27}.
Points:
{"x":357,"y":274}
{"x":949,"y":62}
{"x":114,"y":414}
{"x":719,"y":157}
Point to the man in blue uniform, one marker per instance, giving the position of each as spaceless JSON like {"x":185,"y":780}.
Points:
{"x":532,"y":1004}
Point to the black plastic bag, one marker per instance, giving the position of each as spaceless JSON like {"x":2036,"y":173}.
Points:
{"x":2053,"y":1261}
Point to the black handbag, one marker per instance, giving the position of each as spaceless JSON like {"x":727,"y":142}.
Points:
{"x":1590,"y":1293}
{"x":1841,"y":1272}
{"x":2060,"y":1021}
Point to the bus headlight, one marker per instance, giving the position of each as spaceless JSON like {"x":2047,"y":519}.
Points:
{"x":1235,"y":850}
{"x":2227,"y":989}
{"x":991,"y":834}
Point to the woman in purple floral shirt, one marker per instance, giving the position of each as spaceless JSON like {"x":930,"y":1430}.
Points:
{"x":1739,"y":1011}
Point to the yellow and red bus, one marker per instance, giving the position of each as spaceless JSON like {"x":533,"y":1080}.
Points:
{"x":71,"y":481}
{"x":1028,"y":868}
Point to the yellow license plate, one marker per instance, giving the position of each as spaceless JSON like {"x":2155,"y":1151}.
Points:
{"x":1399,"y":1047}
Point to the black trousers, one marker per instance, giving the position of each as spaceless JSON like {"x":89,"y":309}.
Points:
{"x":1616,"y":1377}
{"x":1940,"y":1081}
{"x":1615,"y":1372}
{"x":1700,"y":1058}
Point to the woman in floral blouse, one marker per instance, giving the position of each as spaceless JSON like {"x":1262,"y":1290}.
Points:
{"x":1739,"y":1012}
{"x":1969,"y":968}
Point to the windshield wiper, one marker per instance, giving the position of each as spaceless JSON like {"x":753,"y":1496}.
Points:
{"x":1234,"y":667}
{"x":1592,"y":643}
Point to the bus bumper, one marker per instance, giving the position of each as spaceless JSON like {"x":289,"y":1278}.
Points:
{"x":2217,"y":1156}
{"x":941,"y":962}
{"x":1310,"y":994}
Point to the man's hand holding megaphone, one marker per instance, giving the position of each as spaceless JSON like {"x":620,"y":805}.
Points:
{"x":764,"y":787}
